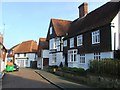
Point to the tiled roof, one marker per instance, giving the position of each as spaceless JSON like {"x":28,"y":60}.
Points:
{"x":60,"y":26}
{"x":27,"y":46}
{"x":43,"y":44}
{"x":42,"y":39}
{"x":95,"y":19}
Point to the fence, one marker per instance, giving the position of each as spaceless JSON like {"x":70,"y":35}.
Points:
{"x":105,"y":66}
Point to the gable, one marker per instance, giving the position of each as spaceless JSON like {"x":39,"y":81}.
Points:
{"x":59,"y":28}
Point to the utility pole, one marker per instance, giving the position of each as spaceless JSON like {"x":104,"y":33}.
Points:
{"x":3,"y":31}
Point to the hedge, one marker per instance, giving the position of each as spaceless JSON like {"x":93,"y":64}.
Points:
{"x":105,"y":66}
{"x":76,"y":71}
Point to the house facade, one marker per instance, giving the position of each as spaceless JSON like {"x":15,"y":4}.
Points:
{"x":43,"y":53}
{"x":25,"y":54}
{"x":57,"y":30}
{"x":3,"y":52}
{"x":94,"y":35}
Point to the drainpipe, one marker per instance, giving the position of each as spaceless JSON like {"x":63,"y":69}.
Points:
{"x":42,"y":60}
{"x":42,"y":64}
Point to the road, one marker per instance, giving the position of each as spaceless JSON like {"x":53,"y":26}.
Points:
{"x":25,"y":78}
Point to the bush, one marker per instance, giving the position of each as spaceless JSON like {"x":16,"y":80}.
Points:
{"x":76,"y":71}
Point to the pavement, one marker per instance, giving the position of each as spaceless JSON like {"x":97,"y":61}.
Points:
{"x":58,"y":81}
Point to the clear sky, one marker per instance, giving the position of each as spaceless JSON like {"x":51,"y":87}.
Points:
{"x":30,"y":20}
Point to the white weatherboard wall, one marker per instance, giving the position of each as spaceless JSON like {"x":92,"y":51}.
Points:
{"x":88,"y":58}
{"x":115,"y":28}
{"x":25,"y":60}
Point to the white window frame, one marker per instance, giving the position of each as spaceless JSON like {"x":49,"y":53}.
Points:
{"x":50,"y":30}
{"x":54,"y":58}
{"x":65,"y":43}
{"x":58,"y":44}
{"x":71,"y":42}
{"x":72,"y":54}
{"x":97,"y":56}
{"x":80,"y":40}
{"x":52,"y":43}
{"x":96,"y":37}
{"x":82,"y":58}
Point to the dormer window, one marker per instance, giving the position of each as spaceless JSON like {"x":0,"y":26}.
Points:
{"x":50,"y":30}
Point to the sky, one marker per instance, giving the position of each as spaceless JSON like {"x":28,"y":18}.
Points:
{"x":30,"y":20}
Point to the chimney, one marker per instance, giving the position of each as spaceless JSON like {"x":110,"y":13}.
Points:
{"x":83,"y":9}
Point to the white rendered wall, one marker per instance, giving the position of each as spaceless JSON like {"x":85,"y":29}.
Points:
{"x":45,"y":53}
{"x":116,"y":29}
{"x":59,"y":58}
{"x":50,"y":60}
{"x":39,"y":62}
{"x":74,"y":64}
{"x":88,"y":58}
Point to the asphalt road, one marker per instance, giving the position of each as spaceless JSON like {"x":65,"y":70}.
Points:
{"x":25,"y":78}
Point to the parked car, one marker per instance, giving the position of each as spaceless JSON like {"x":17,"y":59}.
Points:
{"x":16,"y":67}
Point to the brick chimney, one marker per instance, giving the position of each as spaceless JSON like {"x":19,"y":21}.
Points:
{"x":83,"y":9}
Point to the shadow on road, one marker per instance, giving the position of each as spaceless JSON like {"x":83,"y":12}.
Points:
{"x":12,"y":81}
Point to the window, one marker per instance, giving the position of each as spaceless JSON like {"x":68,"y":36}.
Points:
{"x":24,"y":54}
{"x":71,"y":42}
{"x":65,"y":43}
{"x":82,"y":58}
{"x":18,"y":55}
{"x":58,"y":44}
{"x":97,"y":56}
{"x":72,"y":55}
{"x":79,"y":40}
{"x":96,"y":37}
{"x":50,"y":30}
{"x":54,"y":58}
{"x":52,"y":44}
{"x":26,"y":63}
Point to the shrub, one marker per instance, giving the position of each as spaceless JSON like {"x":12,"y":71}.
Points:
{"x":76,"y":71}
